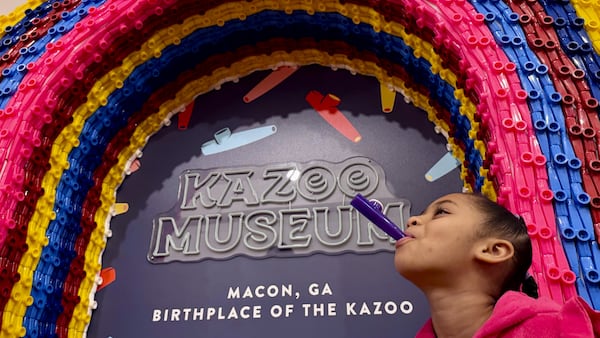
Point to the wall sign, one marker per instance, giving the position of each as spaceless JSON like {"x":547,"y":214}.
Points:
{"x":302,"y":207}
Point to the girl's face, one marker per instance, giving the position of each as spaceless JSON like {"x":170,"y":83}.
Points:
{"x":444,"y":241}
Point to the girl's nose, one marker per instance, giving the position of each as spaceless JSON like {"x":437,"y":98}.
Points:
{"x":412,"y":221}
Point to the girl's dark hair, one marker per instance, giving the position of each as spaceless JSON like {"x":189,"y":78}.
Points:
{"x":504,"y":224}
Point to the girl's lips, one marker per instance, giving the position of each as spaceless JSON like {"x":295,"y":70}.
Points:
{"x":403,"y":240}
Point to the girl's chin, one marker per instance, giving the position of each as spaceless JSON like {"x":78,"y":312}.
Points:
{"x":403,"y":268}
{"x":408,"y":270}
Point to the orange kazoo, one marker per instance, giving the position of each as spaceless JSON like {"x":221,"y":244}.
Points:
{"x":108,"y":275}
{"x":326,"y":106}
{"x":269,"y":82}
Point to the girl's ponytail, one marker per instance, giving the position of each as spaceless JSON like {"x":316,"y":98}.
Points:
{"x":529,"y":286}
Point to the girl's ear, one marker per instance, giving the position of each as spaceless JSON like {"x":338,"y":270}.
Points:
{"x":494,"y":250}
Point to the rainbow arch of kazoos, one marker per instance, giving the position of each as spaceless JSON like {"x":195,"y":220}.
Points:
{"x":79,"y":99}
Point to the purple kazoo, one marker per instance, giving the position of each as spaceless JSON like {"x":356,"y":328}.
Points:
{"x":373,"y":212}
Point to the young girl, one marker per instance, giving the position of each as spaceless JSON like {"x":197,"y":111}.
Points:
{"x":470,"y":257}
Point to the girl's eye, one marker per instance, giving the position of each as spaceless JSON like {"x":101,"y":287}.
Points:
{"x":440,"y":211}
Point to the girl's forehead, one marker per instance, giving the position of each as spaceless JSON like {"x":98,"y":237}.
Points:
{"x":459,"y":200}
{"x":455,"y":198}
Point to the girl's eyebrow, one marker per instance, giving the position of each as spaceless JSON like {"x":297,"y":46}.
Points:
{"x":437,"y":204}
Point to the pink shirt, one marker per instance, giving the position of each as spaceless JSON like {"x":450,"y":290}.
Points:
{"x":518,"y":315}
